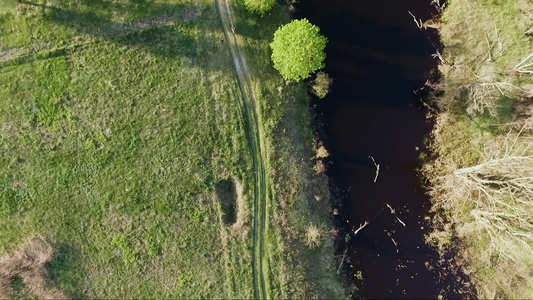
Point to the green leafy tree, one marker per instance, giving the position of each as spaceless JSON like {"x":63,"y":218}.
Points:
{"x":259,"y":6}
{"x":298,"y":49}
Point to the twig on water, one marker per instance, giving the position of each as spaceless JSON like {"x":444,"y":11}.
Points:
{"x":393,"y":211}
{"x":361,"y":227}
{"x":377,"y":168}
{"x":393,"y":241}
{"x":368,"y":222}
{"x":440,"y":7}
{"x":418,"y":22}
{"x":439,"y":56}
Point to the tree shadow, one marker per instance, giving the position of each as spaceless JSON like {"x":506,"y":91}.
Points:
{"x":258,"y":27}
{"x":165,"y":30}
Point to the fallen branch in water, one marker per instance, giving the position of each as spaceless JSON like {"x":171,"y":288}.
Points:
{"x":377,"y":168}
{"x":393,"y":211}
{"x":439,"y":56}
{"x":342,"y":261}
{"x":393,"y":241}
{"x":368,"y":222}
{"x":418,"y":22}
{"x":361,"y":228}
{"x":440,"y":7}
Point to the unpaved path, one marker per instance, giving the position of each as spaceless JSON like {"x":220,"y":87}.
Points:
{"x":257,"y":146}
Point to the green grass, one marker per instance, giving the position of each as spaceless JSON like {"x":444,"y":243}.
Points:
{"x":487,"y":208}
{"x":113,"y":148}
{"x":286,"y":125}
{"x":118,"y":120}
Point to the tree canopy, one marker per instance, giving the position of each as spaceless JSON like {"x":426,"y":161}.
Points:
{"x":259,"y":6}
{"x":298,"y":49}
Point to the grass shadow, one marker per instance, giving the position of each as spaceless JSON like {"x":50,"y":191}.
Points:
{"x":227,"y":194}
{"x":64,"y":271}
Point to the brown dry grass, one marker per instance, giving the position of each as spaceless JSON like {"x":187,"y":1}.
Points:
{"x":481,"y":180}
{"x":28,"y":262}
{"x":241,"y":226}
{"x":313,"y":236}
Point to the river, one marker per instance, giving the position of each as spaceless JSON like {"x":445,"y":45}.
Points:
{"x":378,"y":57}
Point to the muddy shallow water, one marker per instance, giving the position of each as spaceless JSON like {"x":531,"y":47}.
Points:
{"x":377,"y":57}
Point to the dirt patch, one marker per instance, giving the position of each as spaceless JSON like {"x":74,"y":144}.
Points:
{"x":154,"y":20}
{"x":23,"y":272}
{"x":117,"y":29}
{"x":192,"y":13}
{"x":241,"y":227}
{"x":185,"y":14}
{"x":119,"y":222}
{"x":8,"y":53}
{"x":523,"y":110}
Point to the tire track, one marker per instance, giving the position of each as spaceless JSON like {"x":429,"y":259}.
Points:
{"x":257,"y":147}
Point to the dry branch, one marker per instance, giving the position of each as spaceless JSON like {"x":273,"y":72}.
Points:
{"x":525,"y":65}
{"x":393,"y":211}
{"x":377,"y":168}
{"x":418,"y":22}
{"x":393,"y":241}
{"x":342,"y":261}
{"x":501,"y":186}
{"x":361,"y":227}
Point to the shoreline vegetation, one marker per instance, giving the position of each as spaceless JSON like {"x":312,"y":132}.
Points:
{"x":481,"y":176}
{"x":125,"y":155}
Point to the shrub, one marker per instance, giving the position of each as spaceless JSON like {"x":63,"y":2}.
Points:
{"x":320,"y":86}
{"x":313,"y":236}
{"x":259,"y":6}
{"x":322,"y":152}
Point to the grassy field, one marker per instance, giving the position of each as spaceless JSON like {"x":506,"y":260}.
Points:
{"x":123,"y":143}
{"x":482,"y":177}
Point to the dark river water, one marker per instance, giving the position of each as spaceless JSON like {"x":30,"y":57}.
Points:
{"x":377,"y":57}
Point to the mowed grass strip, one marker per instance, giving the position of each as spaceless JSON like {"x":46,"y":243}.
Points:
{"x":112,"y":147}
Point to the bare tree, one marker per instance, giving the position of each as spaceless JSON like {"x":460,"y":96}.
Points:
{"x":501,"y":187}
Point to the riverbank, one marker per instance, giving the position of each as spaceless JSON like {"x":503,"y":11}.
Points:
{"x":481,"y":176}
{"x":126,"y":150}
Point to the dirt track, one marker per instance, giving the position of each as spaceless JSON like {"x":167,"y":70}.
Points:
{"x":256,"y":144}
